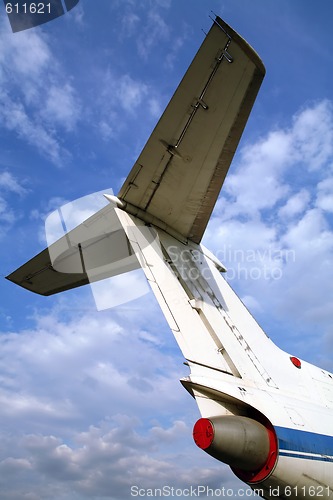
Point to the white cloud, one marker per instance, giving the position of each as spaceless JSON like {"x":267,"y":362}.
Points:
{"x":155,"y":107}
{"x":77,"y":15}
{"x":325,"y":195}
{"x":79,"y":364}
{"x":273,"y":229}
{"x":260,"y":181}
{"x":107,"y":460}
{"x":130,"y":24}
{"x":130,"y":93}
{"x":26,"y":54}
{"x":36,"y":98}
{"x":126,"y":102}
{"x":9,"y":185}
{"x":144,"y":22}
{"x":154,"y":32}
{"x":257,"y":184}
{"x":295,"y":205}
{"x":6,"y":214}
{"x":77,"y":423}
{"x":251,"y":303}
{"x":61,"y":106}
{"x":106,"y":130}
{"x":15,"y":117}
{"x":124,"y":289}
{"x":312,"y":135}
{"x":177,"y":43}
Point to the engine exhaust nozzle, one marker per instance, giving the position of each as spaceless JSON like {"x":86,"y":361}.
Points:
{"x":240,"y":442}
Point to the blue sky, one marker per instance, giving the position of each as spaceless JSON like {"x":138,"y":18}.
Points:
{"x":91,"y":401}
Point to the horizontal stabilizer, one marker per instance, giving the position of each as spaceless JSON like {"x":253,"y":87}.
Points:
{"x":94,"y":250}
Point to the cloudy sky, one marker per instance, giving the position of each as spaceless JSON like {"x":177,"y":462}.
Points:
{"x":90,"y":402}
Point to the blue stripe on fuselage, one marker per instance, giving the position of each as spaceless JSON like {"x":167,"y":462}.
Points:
{"x":302,"y":444}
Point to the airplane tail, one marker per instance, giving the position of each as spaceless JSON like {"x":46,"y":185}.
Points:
{"x":211,"y":325}
{"x":254,"y":398}
{"x":157,"y":223}
{"x":244,"y":385}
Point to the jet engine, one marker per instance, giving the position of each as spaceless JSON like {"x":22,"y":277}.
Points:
{"x":248,"y":446}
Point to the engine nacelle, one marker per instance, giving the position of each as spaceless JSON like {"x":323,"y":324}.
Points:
{"x":249,"y":447}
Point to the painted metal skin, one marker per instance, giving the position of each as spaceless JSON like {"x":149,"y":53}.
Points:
{"x":264,"y":412}
{"x":237,"y":370}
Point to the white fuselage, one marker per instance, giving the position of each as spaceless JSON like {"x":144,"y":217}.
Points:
{"x":235,"y":368}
